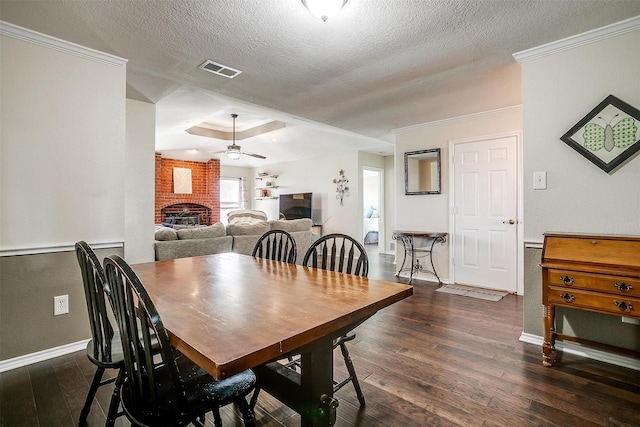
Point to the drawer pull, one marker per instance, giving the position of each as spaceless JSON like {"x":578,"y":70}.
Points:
{"x":623,"y":287}
{"x":567,"y":280}
{"x":569,"y":298}
{"x":624,"y":306}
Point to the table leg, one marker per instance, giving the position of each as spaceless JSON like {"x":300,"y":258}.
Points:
{"x":433,"y":267}
{"x":549,"y":314}
{"x":308,"y":392}
{"x":413,"y":262}
{"x":404,"y":259}
{"x":316,"y":383}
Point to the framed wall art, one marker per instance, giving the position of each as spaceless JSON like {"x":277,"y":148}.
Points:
{"x":608,"y":135}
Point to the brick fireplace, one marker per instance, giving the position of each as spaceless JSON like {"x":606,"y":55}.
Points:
{"x":204,"y":201}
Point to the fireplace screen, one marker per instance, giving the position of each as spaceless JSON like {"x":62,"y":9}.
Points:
{"x":183,"y":218}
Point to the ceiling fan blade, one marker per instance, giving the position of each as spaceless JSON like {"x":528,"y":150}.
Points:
{"x":217,"y":152}
{"x":253,"y":155}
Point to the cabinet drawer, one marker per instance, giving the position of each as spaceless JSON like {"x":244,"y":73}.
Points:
{"x":623,"y":286}
{"x":601,"y":250}
{"x":615,"y":304}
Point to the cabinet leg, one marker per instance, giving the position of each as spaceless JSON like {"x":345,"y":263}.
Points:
{"x":548,"y":346}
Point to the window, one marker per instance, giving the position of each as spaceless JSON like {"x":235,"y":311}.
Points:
{"x":231,"y":196}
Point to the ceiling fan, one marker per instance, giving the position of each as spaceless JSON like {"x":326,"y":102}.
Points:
{"x":234,"y":151}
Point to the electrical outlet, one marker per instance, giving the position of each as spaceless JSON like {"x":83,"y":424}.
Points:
{"x":60,"y":305}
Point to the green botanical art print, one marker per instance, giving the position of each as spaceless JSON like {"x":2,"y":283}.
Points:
{"x":608,"y":135}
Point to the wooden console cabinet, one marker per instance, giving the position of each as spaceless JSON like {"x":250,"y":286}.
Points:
{"x":588,"y":272}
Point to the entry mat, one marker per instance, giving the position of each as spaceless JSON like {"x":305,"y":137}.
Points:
{"x":472,"y":292}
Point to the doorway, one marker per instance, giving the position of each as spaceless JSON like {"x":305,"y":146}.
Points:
{"x":485,"y":212}
{"x":373,"y":208}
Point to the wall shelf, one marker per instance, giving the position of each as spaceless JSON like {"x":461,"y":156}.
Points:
{"x":264,"y":184}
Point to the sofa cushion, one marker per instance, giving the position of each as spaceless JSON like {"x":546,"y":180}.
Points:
{"x":212,"y":231}
{"x":303,"y":239}
{"x":248,"y":229}
{"x":246,"y":216}
{"x":292,"y":225}
{"x":192,"y":247}
{"x":165,"y":233}
{"x":244,"y":244}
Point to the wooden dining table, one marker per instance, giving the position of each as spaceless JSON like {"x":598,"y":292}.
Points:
{"x":230,"y":312}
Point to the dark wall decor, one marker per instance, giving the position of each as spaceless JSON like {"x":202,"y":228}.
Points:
{"x":342,"y":189}
{"x":608,"y":135}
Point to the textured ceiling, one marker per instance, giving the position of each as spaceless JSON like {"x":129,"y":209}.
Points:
{"x":377,"y":66}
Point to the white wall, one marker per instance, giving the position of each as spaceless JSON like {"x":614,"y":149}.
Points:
{"x":370,"y":192}
{"x":316,"y":176}
{"x":371,"y":160}
{"x":430,"y":212}
{"x":63,"y":178}
{"x":559,"y":90}
{"x":390,"y":201}
{"x":63,"y":142}
{"x":139,"y":203}
{"x":561,"y":84}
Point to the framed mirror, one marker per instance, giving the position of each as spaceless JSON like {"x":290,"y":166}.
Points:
{"x":422,"y":172}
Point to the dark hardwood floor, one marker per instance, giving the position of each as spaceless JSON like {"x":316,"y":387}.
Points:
{"x":433,"y":359}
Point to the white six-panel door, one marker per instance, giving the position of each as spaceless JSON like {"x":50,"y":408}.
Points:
{"x":485,"y":213}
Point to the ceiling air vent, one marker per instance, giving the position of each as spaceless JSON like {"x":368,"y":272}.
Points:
{"x":219,"y":69}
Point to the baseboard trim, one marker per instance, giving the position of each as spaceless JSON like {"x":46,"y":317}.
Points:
{"x":39,"y":356}
{"x":425,"y":277}
{"x":585,"y":351}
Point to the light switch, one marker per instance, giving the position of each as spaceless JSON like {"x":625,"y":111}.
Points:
{"x":539,"y":180}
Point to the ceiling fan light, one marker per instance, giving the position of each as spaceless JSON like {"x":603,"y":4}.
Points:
{"x":233,"y":152}
{"x":324,"y":9}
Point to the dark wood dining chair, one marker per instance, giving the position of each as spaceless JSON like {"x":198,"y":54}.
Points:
{"x":343,"y":254}
{"x":276,"y":245}
{"x":338,"y":252}
{"x":105,"y":348}
{"x":163,"y":387}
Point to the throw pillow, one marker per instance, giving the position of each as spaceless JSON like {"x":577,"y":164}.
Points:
{"x":166,"y":233}
{"x":368,"y":212}
{"x":246,"y":216}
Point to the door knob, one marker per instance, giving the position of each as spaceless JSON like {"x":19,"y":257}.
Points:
{"x":509,"y":222}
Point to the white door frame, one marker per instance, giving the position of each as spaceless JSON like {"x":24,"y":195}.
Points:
{"x":519,"y":198}
{"x":381,"y":219}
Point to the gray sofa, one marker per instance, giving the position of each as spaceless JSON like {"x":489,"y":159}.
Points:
{"x":240,"y":238}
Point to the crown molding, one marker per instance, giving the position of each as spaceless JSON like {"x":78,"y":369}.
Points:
{"x":479,"y":115}
{"x":613,"y":30}
{"x":30,"y":36}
